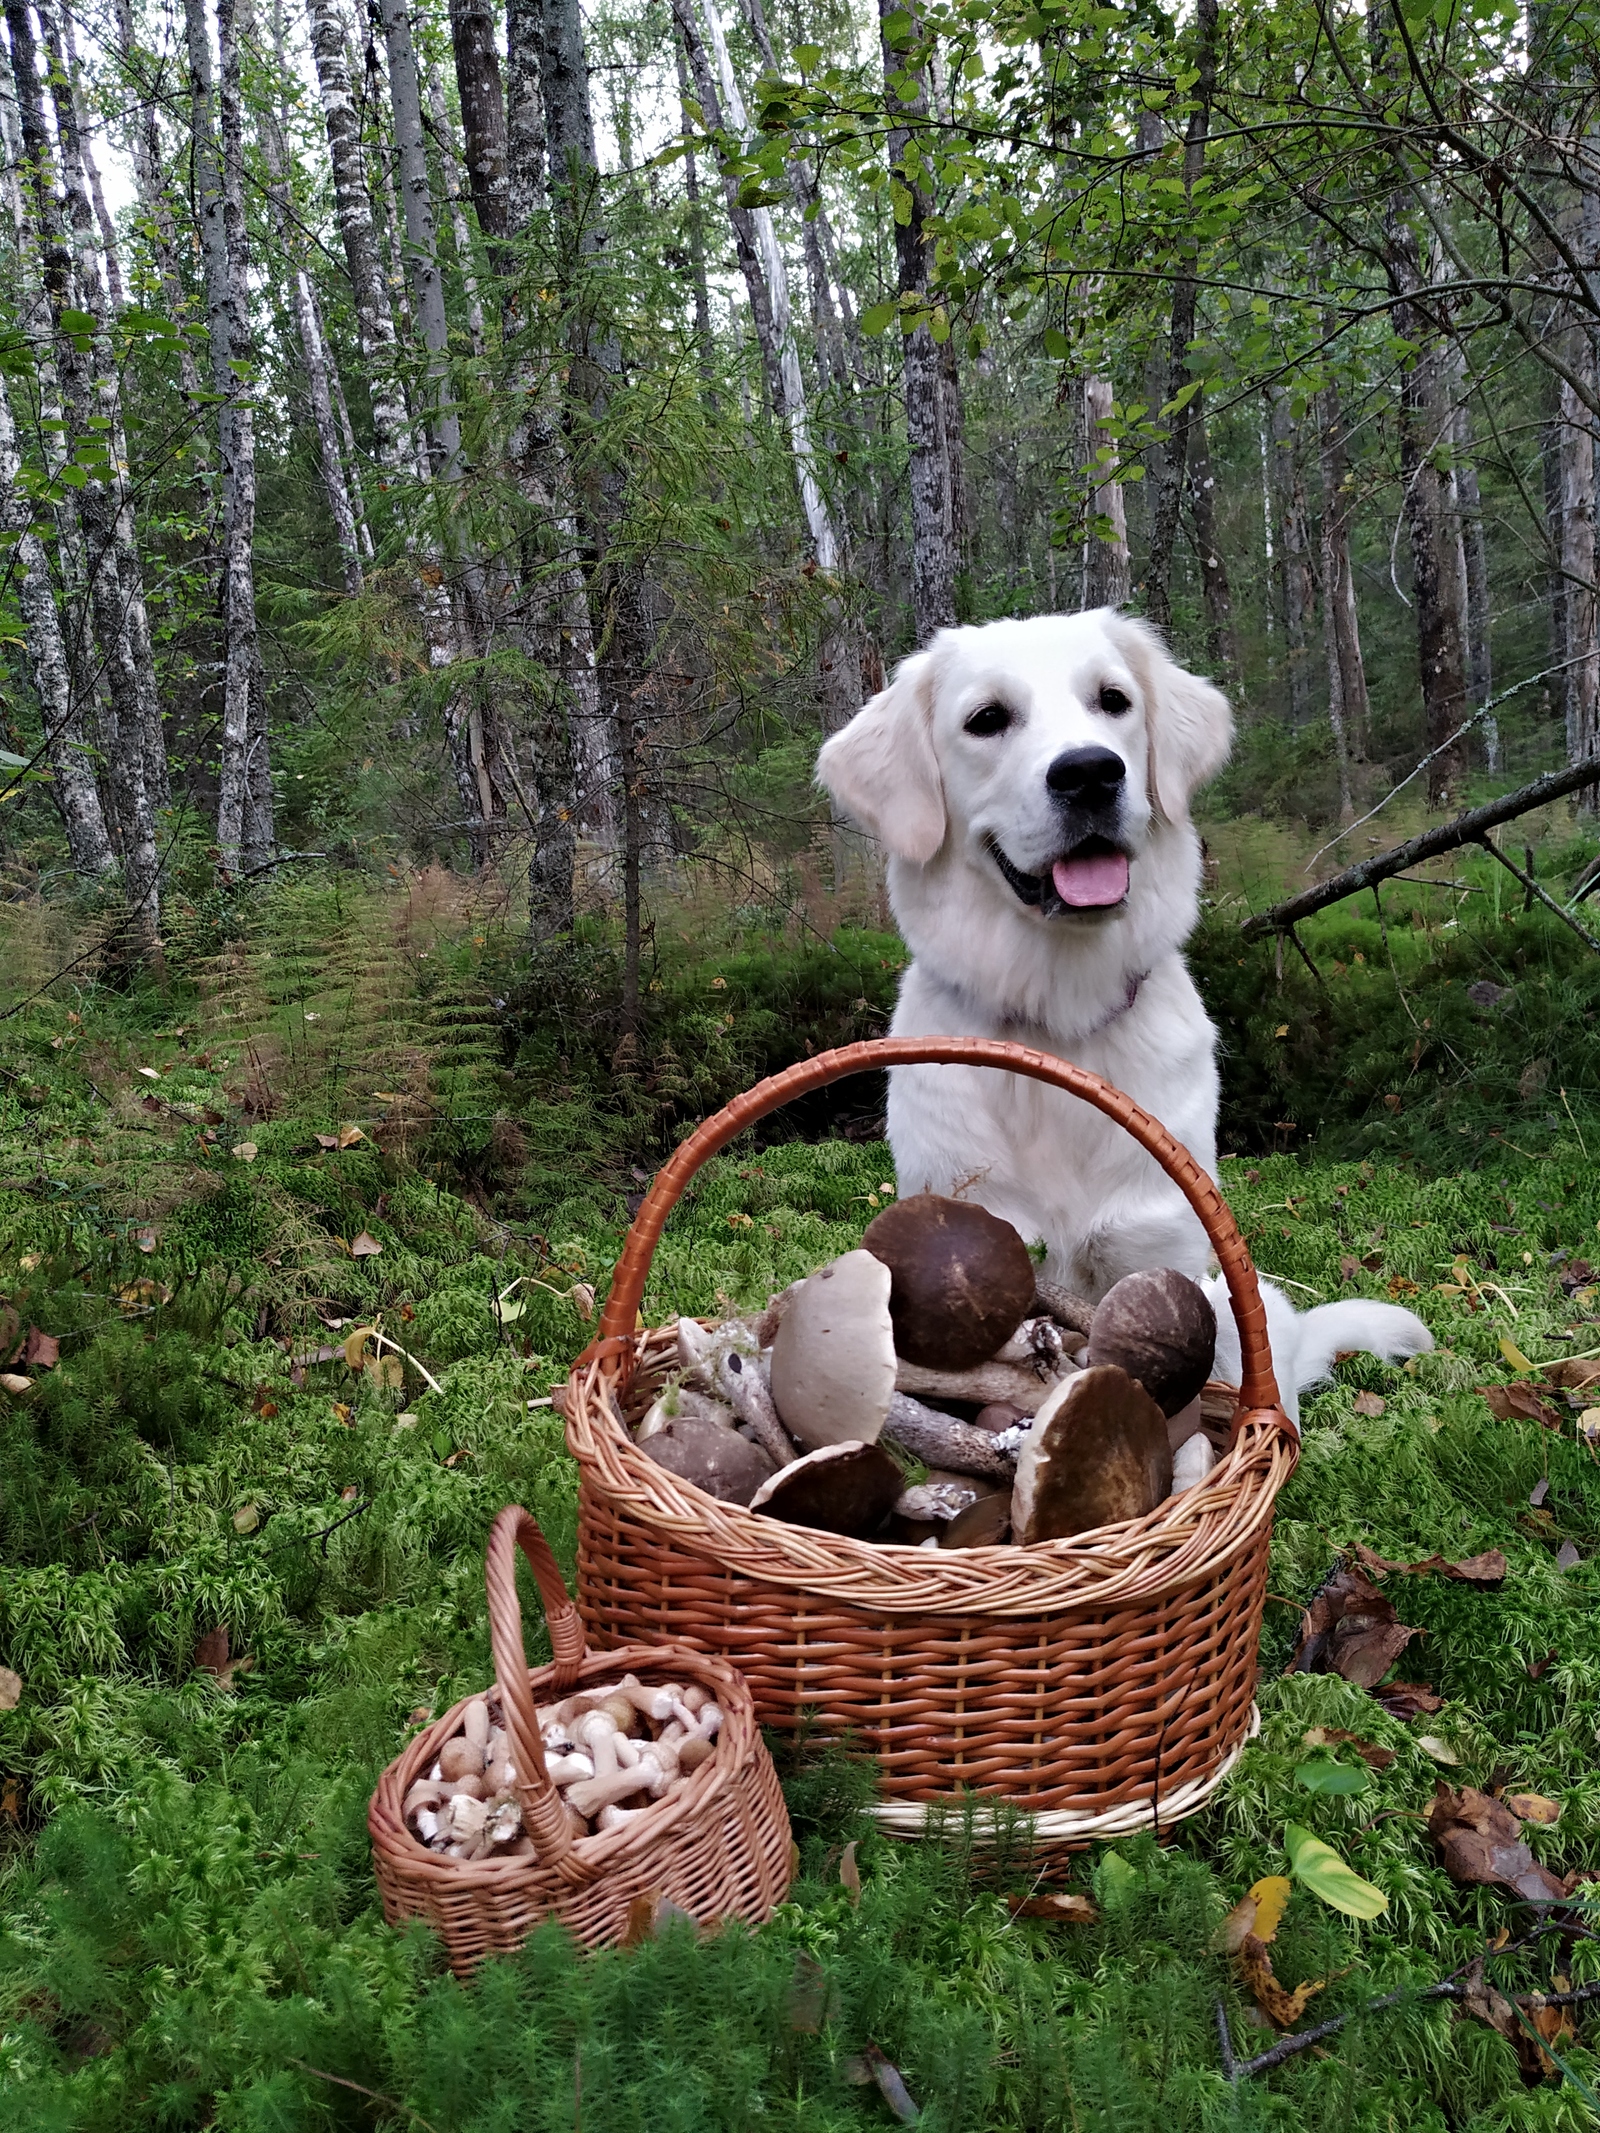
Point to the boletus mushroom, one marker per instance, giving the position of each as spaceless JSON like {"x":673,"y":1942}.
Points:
{"x":984,"y":1524}
{"x":962,"y":1280}
{"x":711,"y":1454}
{"x":840,"y":1488}
{"x":1097,"y":1454}
{"x":1160,"y":1328}
{"x":832,"y":1372}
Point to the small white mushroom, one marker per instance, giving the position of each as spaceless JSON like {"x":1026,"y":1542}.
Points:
{"x":650,"y":1702}
{"x":694,"y":1696}
{"x":833,"y":1362}
{"x":426,"y":1824}
{"x":568,"y":1769}
{"x":475,"y":1722}
{"x":597,"y":1731}
{"x":614,"y":1817}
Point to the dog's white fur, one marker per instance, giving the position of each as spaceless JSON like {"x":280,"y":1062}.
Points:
{"x":985,"y":964}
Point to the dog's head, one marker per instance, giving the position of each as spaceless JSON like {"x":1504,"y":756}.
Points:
{"x":1049,"y":750}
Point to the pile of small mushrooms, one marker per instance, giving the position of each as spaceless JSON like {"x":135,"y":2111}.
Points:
{"x":1036,"y":1415}
{"x":613,"y":1753}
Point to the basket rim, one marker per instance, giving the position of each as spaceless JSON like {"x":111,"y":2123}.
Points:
{"x":1184,"y":1540}
{"x":593,"y":1857}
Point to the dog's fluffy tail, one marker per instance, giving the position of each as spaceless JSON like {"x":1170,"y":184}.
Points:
{"x":1332,"y":1330}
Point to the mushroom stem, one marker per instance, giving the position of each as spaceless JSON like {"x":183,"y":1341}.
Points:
{"x":742,"y":1380}
{"x":589,"y":1795}
{"x":1067,"y":1310}
{"x":1019,"y":1383}
{"x":939,"y":1440}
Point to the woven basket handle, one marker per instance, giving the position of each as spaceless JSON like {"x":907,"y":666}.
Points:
{"x":544,"y":1816}
{"x":1259,"y":1387}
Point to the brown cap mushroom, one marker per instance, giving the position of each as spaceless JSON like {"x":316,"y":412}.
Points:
{"x":1097,"y":1454}
{"x":842,"y":1488}
{"x":1160,"y":1328}
{"x":711,"y":1455}
{"x":832,"y":1370}
{"x":963,"y":1280}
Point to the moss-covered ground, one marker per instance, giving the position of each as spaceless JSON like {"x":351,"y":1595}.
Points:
{"x":189,"y":1931}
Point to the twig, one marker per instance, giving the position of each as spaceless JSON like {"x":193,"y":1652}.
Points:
{"x":376,"y":2095}
{"x":1450,"y":1989}
{"x":283,"y":859}
{"x":421,"y":1369}
{"x":1468,"y":828}
{"x":1230,"y":2065}
{"x":1543,"y":895}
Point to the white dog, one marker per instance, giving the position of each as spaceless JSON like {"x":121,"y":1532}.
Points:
{"x":1030,"y":782}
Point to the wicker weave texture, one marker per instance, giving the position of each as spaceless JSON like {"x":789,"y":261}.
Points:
{"x":720,"y":1850}
{"x":1074,"y":1676}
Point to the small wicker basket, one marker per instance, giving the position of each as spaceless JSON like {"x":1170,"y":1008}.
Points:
{"x":720,"y":1850}
{"x":1098,"y":1685}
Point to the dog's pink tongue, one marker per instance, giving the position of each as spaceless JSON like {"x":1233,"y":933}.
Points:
{"x":1091,"y":881}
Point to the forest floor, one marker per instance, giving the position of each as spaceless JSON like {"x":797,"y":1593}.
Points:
{"x":189,"y":1929}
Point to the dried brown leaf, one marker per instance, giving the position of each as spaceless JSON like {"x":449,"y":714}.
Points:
{"x":1519,"y":1402}
{"x":365,"y":1246}
{"x":1284,"y":2007}
{"x":1336,"y":1737}
{"x":1369,"y":1403}
{"x":811,"y":1999}
{"x":40,"y":1351}
{"x":1064,"y":1906}
{"x":1352,"y":1630}
{"x":1571,"y":1373}
{"x":890,"y":2085}
{"x":1480,"y":1844}
{"x":1567,"y":1557}
{"x":1406,"y":1700}
{"x":10,"y":1688}
{"x":1533,"y":1806}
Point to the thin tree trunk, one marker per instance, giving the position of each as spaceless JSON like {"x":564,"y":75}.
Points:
{"x":1340,"y":621}
{"x":243,"y":837}
{"x":460,"y":234}
{"x":313,"y":351}
{"x":1173,"y":465}
{"x":1294,"y":542}
{"x":88,"y":378}
{"x":1469,"y":507}
{"x":934,"y":554}
{"x":375,"y":326}
{"x":697,"y":236}
{"x":1222,"y":644}
{"x":102,"y":215}
{"x":1581,"y":647}
{"x":1107,"y":577}
{"x":71,"y":767}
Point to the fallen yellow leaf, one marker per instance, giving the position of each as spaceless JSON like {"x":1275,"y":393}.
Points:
{"x":1513,"y":1354}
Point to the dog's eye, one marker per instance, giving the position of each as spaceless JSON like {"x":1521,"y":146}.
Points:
{"x":1114,"y":701}
{"x":989,"y":718}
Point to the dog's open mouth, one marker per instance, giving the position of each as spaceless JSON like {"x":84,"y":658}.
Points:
{"x":1092,"y":876}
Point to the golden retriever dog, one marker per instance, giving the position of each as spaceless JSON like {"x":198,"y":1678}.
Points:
{"x":1030,"y":782}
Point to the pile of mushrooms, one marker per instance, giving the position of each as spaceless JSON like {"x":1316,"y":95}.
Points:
{"x":1035,"y":1414}
{"x":613,"y":1753}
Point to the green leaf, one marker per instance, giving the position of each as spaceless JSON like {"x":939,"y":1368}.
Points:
{"x":1329,"y":1877}
{"x":1117,"y":1878}
{"x":878,"y":318}
{"x":76,"y":322}
{"x":1333,"y":1778}
{"x":1056,"y":344}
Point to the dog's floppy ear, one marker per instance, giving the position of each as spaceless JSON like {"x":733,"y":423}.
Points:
{"x":1189,"y":723}
{"x":882,"y":768}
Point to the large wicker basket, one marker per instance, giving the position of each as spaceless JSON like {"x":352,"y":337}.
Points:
{"x":720,"y":1850}
{"x":1099,"y":1684}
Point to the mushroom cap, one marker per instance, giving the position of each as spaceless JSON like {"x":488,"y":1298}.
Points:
{"x":711,"y":1455}
{"x":1097,"y":1454}
{"x":685,"y":1401}
{"x":833,"y":1355}
{"x":841,"y":1488}
{"x":1160,"y":1328}
{"x":962,"y":1280}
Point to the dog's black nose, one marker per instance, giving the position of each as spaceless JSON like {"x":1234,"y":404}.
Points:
{"x":1088,"y":775}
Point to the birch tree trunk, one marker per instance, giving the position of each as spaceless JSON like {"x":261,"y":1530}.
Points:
{"x":934,"y":552}
{"x":1107,"y":576}
{"x":697,"y":236}
{"x":89,"y":385}
{"x":244,"y":820}
{"x":313,"y":349}
{"x":1173,"y":465}
{"x":1222,"y":644}
{"x":460,"y":234}
{"x":375,"y":326}
{"x":1469,"y":513}
{"x":1581,"y":645}
{"x":1340,"y":620}
{"x":71,"y":767}
{"x":1294,"y":541}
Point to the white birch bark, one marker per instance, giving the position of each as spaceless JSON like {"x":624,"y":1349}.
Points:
{"x":71,"y":766}
{"x":460,"y":234}
{"x":1107,"y":577}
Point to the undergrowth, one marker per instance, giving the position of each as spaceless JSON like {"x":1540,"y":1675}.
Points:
{"x":191,"y":1936}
